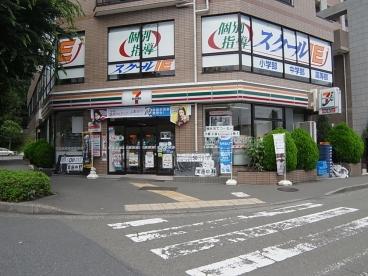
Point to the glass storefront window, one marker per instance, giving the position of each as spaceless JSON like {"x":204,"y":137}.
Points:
{"x":261,"y":127}
{"x":267,"y":112}
{"x":68,"y":129}
{"x":238,"y":115}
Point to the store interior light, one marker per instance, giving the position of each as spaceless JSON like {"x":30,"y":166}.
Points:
{"x":239,"y":107}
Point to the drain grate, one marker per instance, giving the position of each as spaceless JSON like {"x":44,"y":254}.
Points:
{"x":149,"y":188}
{"x":287,"y":189}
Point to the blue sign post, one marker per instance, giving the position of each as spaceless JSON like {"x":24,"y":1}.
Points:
{"x":226,"y":158}
{"x":225,"y":155}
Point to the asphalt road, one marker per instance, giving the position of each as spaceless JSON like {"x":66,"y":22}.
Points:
{"x":328,"y":236}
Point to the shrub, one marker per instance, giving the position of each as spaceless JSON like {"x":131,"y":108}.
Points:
{"x":308,"y":153}
{"x":269,"y":161}
{"x":43,"y":155}
{"x":347,"y":145}
{"x":29,"y":149}
{"x":255,"y":152}
{"x":40,"y":154}
{"x":23,"y":185}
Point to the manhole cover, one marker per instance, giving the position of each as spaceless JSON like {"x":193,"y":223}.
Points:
{"x":149,"y":188}
{"x":287,"y":189}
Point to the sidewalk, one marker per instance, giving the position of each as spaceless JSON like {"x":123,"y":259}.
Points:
{"x":122,"y":195}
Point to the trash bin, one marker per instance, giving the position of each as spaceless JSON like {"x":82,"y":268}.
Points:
{"x":322,"y":168}
{"x":325,"y":154}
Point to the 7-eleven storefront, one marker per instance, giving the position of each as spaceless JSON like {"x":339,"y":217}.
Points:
{"x":151,"y":130}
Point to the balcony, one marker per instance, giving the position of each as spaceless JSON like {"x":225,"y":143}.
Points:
{"x":108,"y":7}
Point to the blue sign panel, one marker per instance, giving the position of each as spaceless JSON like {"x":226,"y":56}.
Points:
{"x":225,"y":147}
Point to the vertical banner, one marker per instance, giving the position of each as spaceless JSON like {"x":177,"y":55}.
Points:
{"x":96,"y":144}
{"x":225,"y":148}
{"x":104,"y":148}
{"x":86,"y":150}
{"x":279,"y":143}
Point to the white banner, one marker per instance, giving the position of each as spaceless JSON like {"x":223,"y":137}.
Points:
{"x":279,"y":144}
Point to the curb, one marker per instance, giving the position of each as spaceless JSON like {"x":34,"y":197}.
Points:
{"x":348,"y":189}
{"x":30,"y":208}
{"x":40,"y":209}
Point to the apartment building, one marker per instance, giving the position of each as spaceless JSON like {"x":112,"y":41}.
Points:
{"x":150,"y":82}
{"x":352,"y":39}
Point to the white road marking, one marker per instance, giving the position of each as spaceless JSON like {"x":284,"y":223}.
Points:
{"x":333,"y":267}
{"x":240,"y":194}
{"x":195,"y":227}
{"x":186,"y":248}
{"x":135,"y":223}
{"x":270,"y":255}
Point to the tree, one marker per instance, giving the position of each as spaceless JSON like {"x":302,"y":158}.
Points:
{"x":10,"y":130}
{"x":28,"y":32}
{"x":323,"y":128}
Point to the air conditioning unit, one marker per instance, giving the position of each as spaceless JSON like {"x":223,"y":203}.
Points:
{"x":310,"y":127}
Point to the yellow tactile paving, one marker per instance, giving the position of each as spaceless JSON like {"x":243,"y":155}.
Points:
{"x":170,"y":194}
{"x":191,"y":204}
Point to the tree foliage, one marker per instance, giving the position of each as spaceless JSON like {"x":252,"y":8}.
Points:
{"x":28,"y":32}
{"x":347,"y":145}
{"x":10,"y":130}
{"x":308,"y":152}
{"x":269,"y":160}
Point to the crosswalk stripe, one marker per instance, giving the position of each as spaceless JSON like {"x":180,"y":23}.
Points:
{"x":135,"y":223}
{"x":270,"y":255}
{"x":182,"y":229}
{"x":186,"y":248}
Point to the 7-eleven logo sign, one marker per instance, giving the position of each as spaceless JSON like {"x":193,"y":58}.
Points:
{"x":137,"y":97}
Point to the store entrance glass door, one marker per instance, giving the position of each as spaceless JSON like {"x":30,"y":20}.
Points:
{"x":133,"y":150}
{"x":141,"y":150}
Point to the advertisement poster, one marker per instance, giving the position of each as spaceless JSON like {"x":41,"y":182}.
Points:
{"x":179,"y":114}
{"x":225,"y":147}
{"x":133,"y":159}
{"x":98,"y":115}
{"x":94,"y":127}
{"x":96,"y":145}
{"x":104,"y":148}
{"x":167,"y":161}
{"x":149,"y":160}
{"x":279,"y":144}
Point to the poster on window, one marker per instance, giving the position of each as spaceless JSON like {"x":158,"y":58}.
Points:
{"x":98,"y":115}
{"x":267,"y":39}
{"x":167,"y":161}
{"x":125,"y":43}
{"x":86,"y":148}
{"x":71,"y":53}
{"x":149,"y":160}
{"x":96,"y":144}
{"x":179,"y":114}
{"x":221,"y":33}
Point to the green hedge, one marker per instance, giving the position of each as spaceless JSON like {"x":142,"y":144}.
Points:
{"x":347,"y":145}
{"x":40,"y":154}
{"x":269,"y":160}
{"x":308,"y":153}
{"x":23,"y":185}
